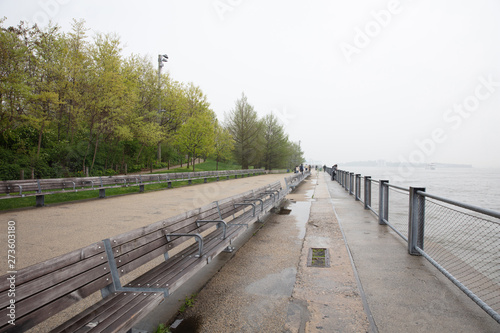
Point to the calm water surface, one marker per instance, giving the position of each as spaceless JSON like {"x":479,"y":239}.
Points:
{"x":475,"y":186}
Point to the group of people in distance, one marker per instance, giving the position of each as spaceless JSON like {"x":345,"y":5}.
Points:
{"x":301,"y":168}
{"x":334,"y":170}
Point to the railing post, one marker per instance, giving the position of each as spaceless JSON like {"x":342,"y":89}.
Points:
{"x":357,"y":187}
{"x":346,"y":181}
{"x":351,"y":182}
{"x":416,"y":220}
{"x":383,"y":202}
{"x":368,"y":192}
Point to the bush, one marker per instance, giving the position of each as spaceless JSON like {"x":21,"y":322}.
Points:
{"x":9,"y":171}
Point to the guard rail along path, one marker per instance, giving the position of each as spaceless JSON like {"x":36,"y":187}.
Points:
{"x":461,"y":240}
{"x":134,"y":271}
{"x":40,"y":187}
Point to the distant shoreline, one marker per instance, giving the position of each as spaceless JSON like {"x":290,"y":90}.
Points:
{"x":382,"y":164}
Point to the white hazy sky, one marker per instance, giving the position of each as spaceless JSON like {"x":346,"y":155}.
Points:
{"x":352,"y":80}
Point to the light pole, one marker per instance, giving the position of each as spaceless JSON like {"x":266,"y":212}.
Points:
{"x":161,"y":59}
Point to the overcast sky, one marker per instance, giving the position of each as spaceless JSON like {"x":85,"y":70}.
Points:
{"x":415,"y":81}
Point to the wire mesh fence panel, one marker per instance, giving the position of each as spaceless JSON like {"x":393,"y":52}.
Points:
{"x":467,"y":245}
{"x":398,"y":210}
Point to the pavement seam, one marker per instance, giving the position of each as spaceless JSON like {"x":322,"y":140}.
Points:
{"x":366,"y":307}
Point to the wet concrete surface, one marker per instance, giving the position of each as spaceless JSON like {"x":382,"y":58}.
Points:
{"x":266,"y":285}
{"x":330,"y":294}
{"x":404,"y":293}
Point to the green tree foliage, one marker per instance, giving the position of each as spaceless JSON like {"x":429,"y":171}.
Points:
{"x":69,"y":103}
{"x":243,"y":124}
{"x":223,"y":145}
{"x":196,"y":135}
{"x":275,"y":142}
{"x":261,"y":143}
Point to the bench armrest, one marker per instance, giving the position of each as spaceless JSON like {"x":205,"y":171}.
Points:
{"x":224,"y":225}
{"x":198,"y":238}
{"x":116,"y":286}
{"x":246,"y":204}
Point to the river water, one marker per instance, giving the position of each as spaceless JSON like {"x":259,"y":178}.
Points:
{"x":474,"y":186}
{"x":467,"y":242}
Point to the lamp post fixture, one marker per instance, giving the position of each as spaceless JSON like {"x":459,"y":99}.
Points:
{"x":161,"y":59}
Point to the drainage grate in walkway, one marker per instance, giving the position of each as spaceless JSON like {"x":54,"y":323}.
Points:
{"x":318,"y":257}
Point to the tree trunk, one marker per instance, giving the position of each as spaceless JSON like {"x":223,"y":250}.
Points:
{"x":194,"y":158}
{"x":40,"y":134}
{"x":87,"y":150}
{"x":95,"y":152}
{"x":140,"y":151}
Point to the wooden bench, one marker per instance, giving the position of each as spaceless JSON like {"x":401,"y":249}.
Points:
{"x":293,"y":181}
{"x":40,"y":188}
{"x":157,"y":258}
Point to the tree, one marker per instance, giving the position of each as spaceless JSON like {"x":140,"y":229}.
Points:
{"x":196,"y":136}
{"x":243,"y":124}
{"x":274,"y":142}
{"x":223,"y":144}
{"x":294,"y":155}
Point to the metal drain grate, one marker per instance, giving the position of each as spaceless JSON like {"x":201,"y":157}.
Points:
{"x":318,"y":257}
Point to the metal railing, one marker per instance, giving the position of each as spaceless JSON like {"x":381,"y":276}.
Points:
{"x":462,"y":241}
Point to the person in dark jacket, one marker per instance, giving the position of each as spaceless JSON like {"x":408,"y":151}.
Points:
{"x":334,"y":171}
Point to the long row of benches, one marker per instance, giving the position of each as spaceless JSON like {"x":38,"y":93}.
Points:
{"x":42,"y":187}
{"x":126,"y":276}
{"x":295,"y":179}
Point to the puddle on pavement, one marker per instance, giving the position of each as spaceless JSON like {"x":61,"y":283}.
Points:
{"x":300,"y":211}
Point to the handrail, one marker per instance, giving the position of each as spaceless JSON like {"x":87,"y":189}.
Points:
{"x":476,"y":209}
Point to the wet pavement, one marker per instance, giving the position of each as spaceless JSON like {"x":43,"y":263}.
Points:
{"x":268,"y":286}
{"x":371,"y":285}
{"x":405,"y":293}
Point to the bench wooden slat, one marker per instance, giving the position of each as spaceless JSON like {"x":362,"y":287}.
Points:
{"x":137,"y":311}
{"x":61,"y":275}
{"x":43,"y":268}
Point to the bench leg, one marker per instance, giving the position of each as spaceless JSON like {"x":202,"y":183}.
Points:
{"x":40,"y":200}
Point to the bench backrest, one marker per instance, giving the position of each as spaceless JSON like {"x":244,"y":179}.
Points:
{"x":47,"y":288}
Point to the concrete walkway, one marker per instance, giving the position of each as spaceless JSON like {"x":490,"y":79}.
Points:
{"x":405,"y":293}
{"x":267,"y":285}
